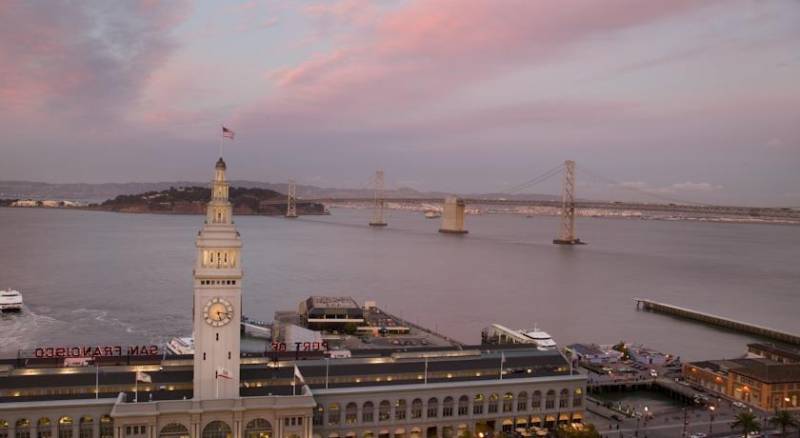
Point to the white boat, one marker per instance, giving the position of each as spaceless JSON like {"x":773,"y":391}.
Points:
{"x":10,"y":301}
{"x":432,"y":214}
{"x":499,"y":334}
{"x":542,"y":339}
{"x":181,"y":345}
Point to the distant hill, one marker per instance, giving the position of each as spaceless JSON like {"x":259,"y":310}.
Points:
{"x":193,"y":199}
{"x":100,"y":192}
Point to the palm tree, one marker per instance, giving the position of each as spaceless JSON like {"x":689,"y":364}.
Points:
{"x":747,"y":422}
{"x":784,"y":420}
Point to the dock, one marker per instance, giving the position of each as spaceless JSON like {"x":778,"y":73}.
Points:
{"x":719,"y":321}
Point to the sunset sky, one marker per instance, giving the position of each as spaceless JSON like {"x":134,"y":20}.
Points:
{"x":692,"y":100}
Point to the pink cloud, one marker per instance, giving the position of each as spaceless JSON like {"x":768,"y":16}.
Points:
{"x":55,"y":68}
{"x":429,"y":50}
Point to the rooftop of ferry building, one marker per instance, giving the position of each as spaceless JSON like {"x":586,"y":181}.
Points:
{"x":172,"y":378}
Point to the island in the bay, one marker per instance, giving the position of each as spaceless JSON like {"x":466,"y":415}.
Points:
{"x":192,"y":200}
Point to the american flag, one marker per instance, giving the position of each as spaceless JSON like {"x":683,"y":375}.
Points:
{"x":222,"y":373}
{"x":227,"y":133}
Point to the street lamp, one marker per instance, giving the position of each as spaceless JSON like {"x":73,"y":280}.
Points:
{"x":711,"y":410}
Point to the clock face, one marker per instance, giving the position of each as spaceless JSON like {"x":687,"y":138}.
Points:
{"x":218,"y":312}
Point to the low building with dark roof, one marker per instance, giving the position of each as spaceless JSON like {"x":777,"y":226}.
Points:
{"x":331,"y":313}
{"x":442,"y":391}
{"x":778,"y":353}
{"x":761,"y":383}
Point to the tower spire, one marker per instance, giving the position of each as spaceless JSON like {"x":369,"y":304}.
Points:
{"x":217,"y":297}
{"x":219,"y":210}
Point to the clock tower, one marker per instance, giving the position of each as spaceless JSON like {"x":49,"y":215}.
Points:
{"x":217,"y":298}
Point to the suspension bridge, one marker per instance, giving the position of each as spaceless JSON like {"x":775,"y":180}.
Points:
{"x":454,"y":208}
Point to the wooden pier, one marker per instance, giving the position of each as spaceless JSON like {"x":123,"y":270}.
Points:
{"x":719,"y":321}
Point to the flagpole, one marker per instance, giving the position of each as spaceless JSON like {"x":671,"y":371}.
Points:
{"x":221,"y":140}
{"x":426,"y":370}
{"x":502,"y":359}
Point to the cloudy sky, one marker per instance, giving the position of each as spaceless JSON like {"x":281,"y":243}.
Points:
{"x":688,"y":100}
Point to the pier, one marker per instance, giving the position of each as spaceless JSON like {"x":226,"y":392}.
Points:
{"x":719,"y":321}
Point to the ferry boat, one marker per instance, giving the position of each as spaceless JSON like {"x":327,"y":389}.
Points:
{"x":10,"y":301}
{"x":181,"y":345}
{"x":498,"y":334}
{"x":542,"y":339}
{"x":432,"y":214}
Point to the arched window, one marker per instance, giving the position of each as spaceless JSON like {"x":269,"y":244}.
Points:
{"x":44,"y":428}
{"x":106,"y":427}
{"x":493,"y":403}
{"x":550,"y":400}
{"x":65,"y":427}
{"x":463,"y":405}
{"x":217,"y":429}
{"x":508,"y":402}
{"x":174,"y":430}
{"x":400,"y":410}
{"x":22,"y":428}
{"x":3,"y":429}
{"x":416,"y":408}
{"x":577,"y":398}
{"x":522,"y":401}
{"x":447,"y":407}
{"x":86,"y":427}
{"x":351,"y":413}
{"x":477,"y":404}
{"x":334,"y":414}
{"x":433,"y":407}
{"x":563,"y":399}
{"x":258,"y":428}
{"x":384,"y":411}
{"x":368,"y":412}
{"x":536,"y":400}
{"x":319,"y":416}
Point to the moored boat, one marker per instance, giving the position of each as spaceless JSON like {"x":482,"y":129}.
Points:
{"x":181,"y":345}
{"x":10,"y":301}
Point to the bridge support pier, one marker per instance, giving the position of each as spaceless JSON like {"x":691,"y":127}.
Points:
{"x":291,"y":200}
{"x":566,"y":235}
{"x":453,"y":216}
{"x":378,"y":219}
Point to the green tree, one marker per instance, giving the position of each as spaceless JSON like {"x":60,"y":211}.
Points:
{"x":622,"y":348}
{"x":350,"y":328}
{"x":783,"y":420}
{"x":747,"y":422}
{"x":587,"y":431}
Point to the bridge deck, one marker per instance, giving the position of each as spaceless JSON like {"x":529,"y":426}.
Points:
{"x":719,"y":321}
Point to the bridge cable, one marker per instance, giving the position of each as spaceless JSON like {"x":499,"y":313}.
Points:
{"x":515,"y":189}
{"x":658,"y":196}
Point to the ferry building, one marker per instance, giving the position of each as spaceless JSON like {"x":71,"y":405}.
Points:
{"x":219,"y":393}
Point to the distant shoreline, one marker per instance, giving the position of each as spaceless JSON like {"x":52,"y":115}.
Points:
{"x":245,"y":212}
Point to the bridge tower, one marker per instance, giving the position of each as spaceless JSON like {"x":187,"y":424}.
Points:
{"x":291,"y":200}
{"x":566,"y":234}
{"x":453,"y":216}
{"x":378,"y":219}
